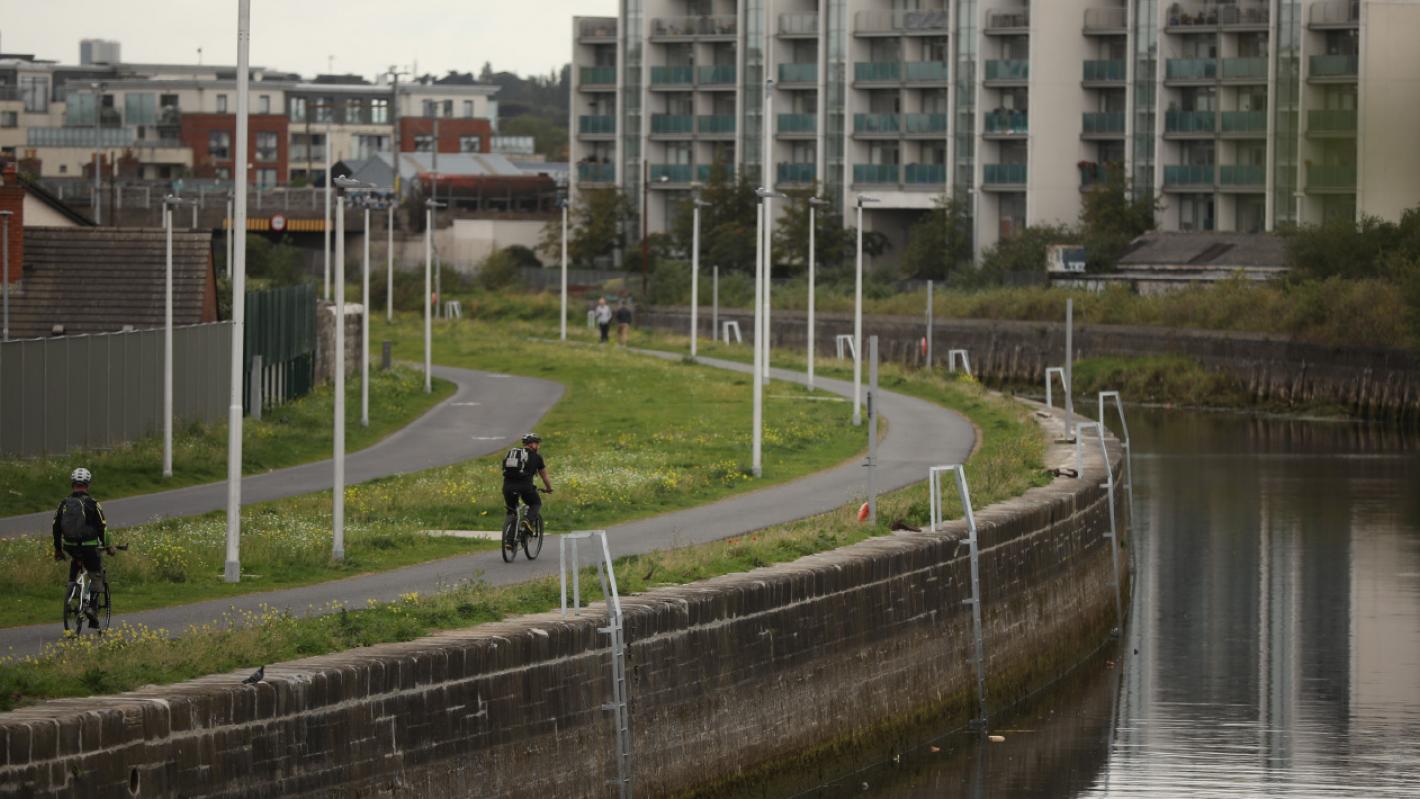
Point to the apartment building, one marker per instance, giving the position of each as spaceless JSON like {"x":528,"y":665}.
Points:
{"x":1239,"y":115}
{"x":166,"y":121}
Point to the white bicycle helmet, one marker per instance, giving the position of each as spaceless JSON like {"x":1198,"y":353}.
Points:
{"x":81,"y":476}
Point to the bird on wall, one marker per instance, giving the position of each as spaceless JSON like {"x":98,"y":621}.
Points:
{"x":256,"y":677}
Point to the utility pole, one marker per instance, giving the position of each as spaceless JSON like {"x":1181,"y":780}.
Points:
{"x":5,"y":267}
{"x":438,"y":260}
{"x":232,"y":570}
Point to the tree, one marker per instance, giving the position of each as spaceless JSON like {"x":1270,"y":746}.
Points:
{"x":1110,"y":219}
{"x":939,"y":244}
{"x":727,"y":223}
{"x":597,"y":223}
{"x":549,"y":138}
{"x":1023,"y":254}
{"x":832,"y":240}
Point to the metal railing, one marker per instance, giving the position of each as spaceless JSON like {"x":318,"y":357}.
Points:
{"x":796,"y":173}
{"x":919,"y":174}
{"x":875,"y":173}
{"x":1208,"y":15}
{"x":1103,"y":122}
{"x":1007,"y":122}
{"x":1190,"y":174}
{"x":1013,"y":19}
{"x":1191,"y":69}
{"x":877,"y":71}
{"x":1190,"y":121}
{"x":596,"y":124}
{"x":1093,"y":174}
{"x":1106,"y":19}
{"x":596,"y":173}
{"x":1335,"y":12}
{"x":925,"y":21}
{"x":1242,"y":175}
{"x":599,"y":28}
{"x":1244,"y":121}
{"x":717,"y":74}
{"x":1331,"y":176}
{"x":671,"y":173}
{"x":1008,"y":69}
{"x":715,"y":123}
{"x":1113,"y":69}
{"x":876,"y":123}
{"x":672,"y":76}
{"x":1003,"y":174}
{"x":672,"y":124}
{"x":677,"y":27}
{"x":798,"y":123}
{"x":798,"y":73}
{"x":926,"y":70}
{"x":1332,"y":120}
{"x":80,"y":137}
{"x":598,"y":76}
{"x":1335,"y":66}
{"x":798,"y":24}
{"x":926,"y":123}
{"x":1249,"y":68}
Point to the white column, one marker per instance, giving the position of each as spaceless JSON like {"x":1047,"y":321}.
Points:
{"x":232,"y":570}
{"x":230,"y":228}
{"x":365,"y":330}
{"x":694,"y":274}
{"x":325,"y":253}
{"x":338,"y":490}
{"x":811,"y":292}
{"x":564,"y":270}
{"x":858,"y":325}
{"x":756,"y":459}
{"x":168,"y":344}
{"x":428,"y":323}
{"x":389,"y":265}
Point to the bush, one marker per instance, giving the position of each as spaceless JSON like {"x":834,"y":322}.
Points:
{"x":498,"y":271}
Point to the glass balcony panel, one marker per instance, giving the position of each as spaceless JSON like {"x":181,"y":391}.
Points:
{"x":796,"y":173}
{"x":596,"y":124}
{"x":672,"y":76}
{"x":918,"y":174}
{"x":875,"y":173}
{"x":1008,"y":19}
{"x":926,"y":70}
{"x":1244,"y":121}
{"x":1108,"y":70}
{"x":684,"y":27}
{"x":596,"y":173}
{"x":885,"y":70}
{"x":1007,"y":69}
{"x":717,"y":74}
{"x":1006,"y":121}
{"x":1003,"y":174}
{"x":672,"y":123}
{"x":926,"y":123}
{"x":798,"y":73}
{"x":1335,"y":66}
{"x":1190,"y":121}
{"x":715,"y":123}
{"x":1331,"y":176}
{"x":1242,"y":174}
{"x":798,"y":24}
{"x":1335,"y":120}
{"x":598,"y":76}
{"x":1191,"y":69}
{"x":1189,"y":175}
{"x":798,"y":123}
{"x":1249,"y":68}
{"x":1106,"y":19}
{"x":1103,"y":122}
{"x":671,"y":173}
{"x":876,"y":123}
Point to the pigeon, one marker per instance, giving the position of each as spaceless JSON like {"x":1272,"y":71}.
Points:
{"x":256,"y":677}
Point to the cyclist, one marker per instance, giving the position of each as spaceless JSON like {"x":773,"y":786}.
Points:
{"x":519,"y":467}
{"x":80,"y":530}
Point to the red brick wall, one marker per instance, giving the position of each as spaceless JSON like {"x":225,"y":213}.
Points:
{"x":197,"y":127}
{"x":449,"y":132}
{"x":12,"y":198}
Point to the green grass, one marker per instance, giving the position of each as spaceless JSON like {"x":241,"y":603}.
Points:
{"x":1007,"y":462}
{"x":632,"y":436}
{"x":295,"y":433}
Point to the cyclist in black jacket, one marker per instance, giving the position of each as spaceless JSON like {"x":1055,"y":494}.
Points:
{"x":520,"y":465}
{"x":80,"y":531}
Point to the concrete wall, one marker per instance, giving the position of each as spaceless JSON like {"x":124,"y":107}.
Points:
{"x":725,"y":677}
{"x":325,"y":340}
{"x":1373,"y":383}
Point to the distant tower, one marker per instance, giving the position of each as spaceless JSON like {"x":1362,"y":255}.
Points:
{"x":98,"y":51}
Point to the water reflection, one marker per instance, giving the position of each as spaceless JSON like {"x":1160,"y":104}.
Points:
{"x":1274,"y":646}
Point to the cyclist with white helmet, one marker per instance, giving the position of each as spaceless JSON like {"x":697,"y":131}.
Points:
{"x":80,"y":531}
{"x":520,"y":465}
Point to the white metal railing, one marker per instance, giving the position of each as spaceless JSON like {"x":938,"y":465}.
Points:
{"x":1097,"y":19}
{"x":724,"y":25}
{"x":597,"y":28}
{"x":1213,"y":13}
{"x":925,"y":20}
{"x":1335,"y":11}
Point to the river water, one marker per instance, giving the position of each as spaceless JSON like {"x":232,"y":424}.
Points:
{"x":1274,"y":641}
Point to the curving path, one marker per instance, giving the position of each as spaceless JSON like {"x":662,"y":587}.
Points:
{"x":919,"y":435}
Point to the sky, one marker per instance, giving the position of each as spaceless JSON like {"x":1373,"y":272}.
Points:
{"x":362,"y":36}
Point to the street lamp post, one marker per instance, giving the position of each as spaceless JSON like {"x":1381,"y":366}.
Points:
{"x":858,"y":318}
{"x":645,"y":222}
{"x":429,"y":206}
{"x":365,"y":327}
{"x":5,"y":268}
{"x":814,"y":204}
{"x":562,"y":203}
{"x":763,"y":245}
{"x":229,"y":238}
{"x":169,"y":203}
{"x":389,"y":263}
{"x":338,"y":491}
{"x":232,"y":570}
{"x":325,"y":253}
{"x":757,"y":446}
{"x":696,"y":205}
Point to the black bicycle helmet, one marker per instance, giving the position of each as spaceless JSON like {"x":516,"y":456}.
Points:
{"x":532,"y":438}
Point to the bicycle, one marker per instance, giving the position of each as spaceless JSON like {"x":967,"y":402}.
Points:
{"x":528,"y":535}
{"x":75,"y":615}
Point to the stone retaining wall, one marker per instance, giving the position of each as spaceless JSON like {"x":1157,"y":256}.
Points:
{"x":726,"y":677}
{"x":1367,"y":382}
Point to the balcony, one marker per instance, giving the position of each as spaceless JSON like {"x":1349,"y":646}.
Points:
{"x":1016,"y":70}
{"x":876,"y":123}
{"x":597,"y":29}
{"x":796,"y":174}
{"x":926,"y":123}
{"x":793,"y":26}
{"x":671,"y":173}
{"x":1107,"y":124}
{"x":1003,"y":174}
{"x":925,"y":174}
{"x":80,"y":137}
{"x":1107,"y":71}
{"x":1012,"y":21}
{"x":1006,"y":123}
{"x":672,"y":76}
{"x":1185,"y":69}
{"x":725,"y":26}
{"x":798,"y":124}
{"x":1242,"y":175}
{"x":1245,"y":122}
{"x":596,"y":173}
{"x":1093,"y":174}
{"x":864,"y":174}
{"x":1245,"y":70}
{"x":1191,"y":122}
{"x":1206,"y":17}
{"x":877,"y":71}
{"x":717,"y":75}
{"x":596,"y":125}
{"x":798,"y":73}
{"x":598,"y":76}
{"x":929,"y":22}
{"x":715,"y":124}
{"x":1106,"y":21}
{"x":1334,"y":66}
{"x":672,"y":124}
{"x":1335,"y":14}
{"x":925,"y":71}
{"x":1331,"y":177}
{"x":1331,"y":122}
{"x":1190,"y":176}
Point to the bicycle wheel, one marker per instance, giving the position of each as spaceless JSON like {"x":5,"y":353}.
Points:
{"x":74,"y":610}
{"x":510,"y":541}
{"x":105,"y":607}
{"x":532,"y":538}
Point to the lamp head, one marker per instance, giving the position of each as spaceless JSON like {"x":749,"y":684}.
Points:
{"x":819,"y":202}
{"x":764,"y":193}
{"x":864,"y":199}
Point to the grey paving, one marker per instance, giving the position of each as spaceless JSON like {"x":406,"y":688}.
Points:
{"x":919,"y":435}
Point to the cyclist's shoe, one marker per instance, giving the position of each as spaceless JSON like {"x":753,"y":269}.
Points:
{"x":92,"y":611}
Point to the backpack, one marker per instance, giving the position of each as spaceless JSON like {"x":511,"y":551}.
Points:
{"x":515,"y":464}
{"x":74,"y":521}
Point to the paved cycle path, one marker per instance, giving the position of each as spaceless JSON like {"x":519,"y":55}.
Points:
{"x":487,"y":411}
{"x":920,"y":435}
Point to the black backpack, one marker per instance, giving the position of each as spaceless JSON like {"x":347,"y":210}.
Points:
{"x":74,"y":521}
{"x":515,"y":464}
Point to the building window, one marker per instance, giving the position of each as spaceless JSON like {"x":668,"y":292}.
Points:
{"x":366,"y":145}
{"x":221,"y":103}
{"x":470,"y":144}
{"x":424,"y":143}
{"x":263,"y":104}
{"x":468,"y":109}
{"x":308,"y":149}
{"x":9,"y":119}
{"x":266,"y":146}
{"x":266,"y":178}
{"x":354,"y":110}
{"x":325,"y":111}
{"x":379,"y":111}
{"x":298,"y":109}
{"x":34,"y":91}
{"x":223,"y":174}
{"x":448,"y":108}
{"x":140,"y":109}
{"x":219,"y":145}
{"x":431,"y":108}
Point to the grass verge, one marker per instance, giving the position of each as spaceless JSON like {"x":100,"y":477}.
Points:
{"x":295,"y":433}
{"x":617,"y":449}
{"x":1007,"y":462}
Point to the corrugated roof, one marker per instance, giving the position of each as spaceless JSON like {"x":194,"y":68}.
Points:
{"x":1215,"y":250}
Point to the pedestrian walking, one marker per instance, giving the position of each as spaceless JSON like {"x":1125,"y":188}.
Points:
{"x":603,"y":317}
{"x":623,"y":324}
